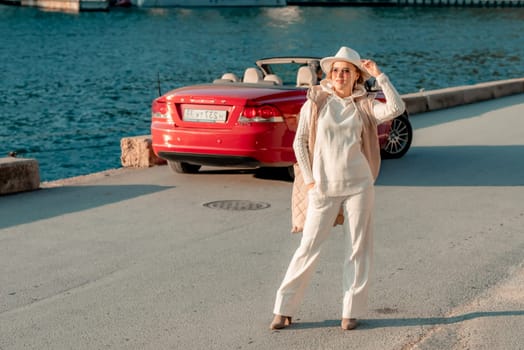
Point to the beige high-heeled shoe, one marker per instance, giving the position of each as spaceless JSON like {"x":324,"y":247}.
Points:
{"x":280,"y":322}
{"x":348,"y":324}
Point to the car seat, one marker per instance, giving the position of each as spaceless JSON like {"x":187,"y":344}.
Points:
{"x":252,"y":75}
{"x":273,"y":78}
{"x":306,"y":77}
{"x":231,"y":77}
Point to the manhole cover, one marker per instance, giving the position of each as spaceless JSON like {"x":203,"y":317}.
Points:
{"x":237,"y":205}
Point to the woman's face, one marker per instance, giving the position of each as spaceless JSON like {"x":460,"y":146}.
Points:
{"x":344,"y":75}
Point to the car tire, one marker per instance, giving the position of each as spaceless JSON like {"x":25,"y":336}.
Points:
{"x":183,"y":168}
{"x":291,"y":173}
{"x":399,"y":139}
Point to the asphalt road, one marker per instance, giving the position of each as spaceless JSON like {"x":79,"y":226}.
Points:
{"x":132,"y":259}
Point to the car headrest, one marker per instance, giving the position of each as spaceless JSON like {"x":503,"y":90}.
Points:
{"x":252,"y":75}
{"x":274,"y":78}
{"x":306,"y":77}
{"x":230,"y":76}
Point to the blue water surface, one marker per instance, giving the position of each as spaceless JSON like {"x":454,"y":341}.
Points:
{"x":73,"y":85}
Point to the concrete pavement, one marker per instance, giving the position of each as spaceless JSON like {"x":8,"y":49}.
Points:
{"x":132,"y":259}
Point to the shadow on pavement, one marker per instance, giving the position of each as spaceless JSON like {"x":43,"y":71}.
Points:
{"x":456,"y":166}
{"x":431,"y":166}
{"x":265,"y":173}
{"x":410,"y":322}
{"x":430,"y":321}
{"x":46,"y":203}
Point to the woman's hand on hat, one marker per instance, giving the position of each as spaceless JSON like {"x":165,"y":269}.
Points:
{"x":371,"y":67}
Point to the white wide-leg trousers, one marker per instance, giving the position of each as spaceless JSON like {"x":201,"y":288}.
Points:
{"x":358,"y":229}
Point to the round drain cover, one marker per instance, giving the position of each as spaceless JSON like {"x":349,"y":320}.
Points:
{"x":237,"y":205}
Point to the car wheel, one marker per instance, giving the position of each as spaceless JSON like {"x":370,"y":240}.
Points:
{"x":183,"y":168}
{"x":399,"y":139}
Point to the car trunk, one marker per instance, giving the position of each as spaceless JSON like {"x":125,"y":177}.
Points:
{"x":223,"y":107}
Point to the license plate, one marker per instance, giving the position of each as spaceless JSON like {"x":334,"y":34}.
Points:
{"x":204,"y":115}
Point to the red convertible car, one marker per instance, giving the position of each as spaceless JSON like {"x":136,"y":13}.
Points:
{"x":248,"y":121}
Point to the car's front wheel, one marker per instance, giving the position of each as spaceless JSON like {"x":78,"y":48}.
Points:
{"x":183,"y":168}
{"x":399,"y":138}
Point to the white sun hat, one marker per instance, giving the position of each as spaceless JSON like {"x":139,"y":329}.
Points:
{"x":347,"y":55}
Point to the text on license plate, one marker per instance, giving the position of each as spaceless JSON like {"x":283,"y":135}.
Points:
{"x":204,"y":115}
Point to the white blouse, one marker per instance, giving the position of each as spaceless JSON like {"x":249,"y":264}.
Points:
{"x":339,"y":167}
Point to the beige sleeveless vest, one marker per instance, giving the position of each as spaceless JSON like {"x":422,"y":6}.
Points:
{"x":370,"y":149}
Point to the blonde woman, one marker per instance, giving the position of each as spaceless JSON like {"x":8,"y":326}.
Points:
{"x":339,"y":168}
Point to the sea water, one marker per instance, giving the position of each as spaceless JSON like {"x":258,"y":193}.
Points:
{"x":73,"y":85}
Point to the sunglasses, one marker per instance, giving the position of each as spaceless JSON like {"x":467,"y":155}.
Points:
{"x":343,"y":70}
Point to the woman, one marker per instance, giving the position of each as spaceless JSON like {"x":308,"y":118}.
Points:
{"x":339,"y":165}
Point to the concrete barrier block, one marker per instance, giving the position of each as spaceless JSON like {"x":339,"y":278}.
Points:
{"x":18,"y":175}
{"x":137,"y":152}
{"x":415,"y":103}
{"x":478,"y":93}
{"x":513,"y":87}
{"x":444,"y":98}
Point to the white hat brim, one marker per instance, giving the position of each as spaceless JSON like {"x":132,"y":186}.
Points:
{"x":327,"y":62}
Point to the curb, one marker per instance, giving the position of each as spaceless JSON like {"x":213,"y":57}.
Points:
{"x":427,"y":101}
